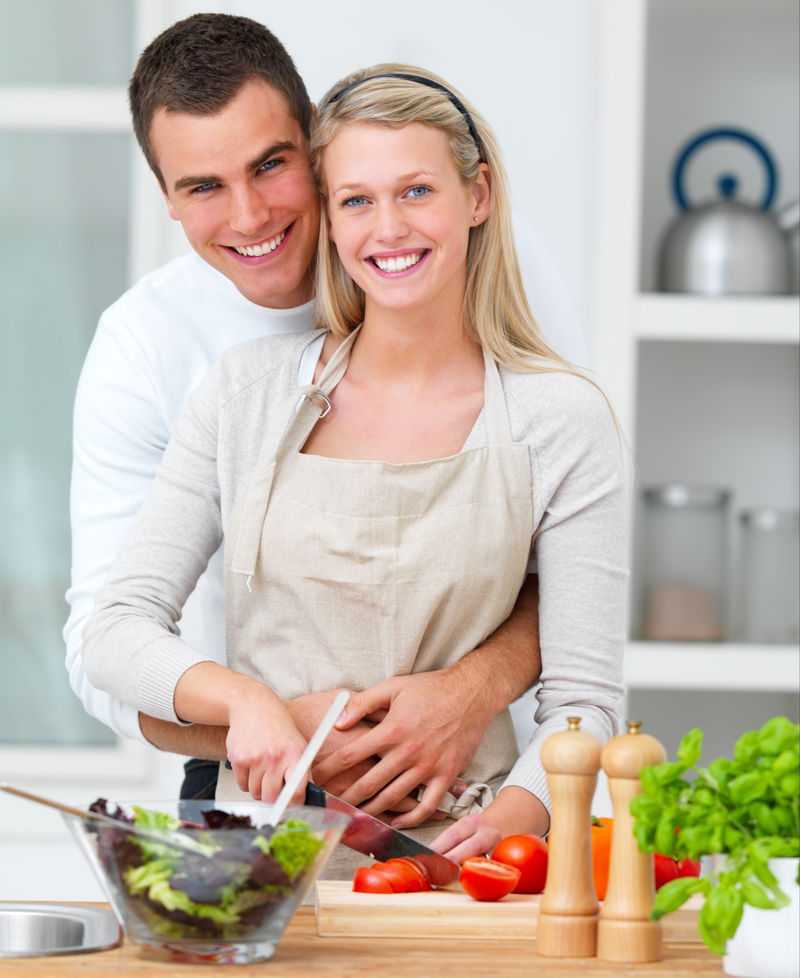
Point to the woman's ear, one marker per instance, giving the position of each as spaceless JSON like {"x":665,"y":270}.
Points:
{"x":482,"y":194}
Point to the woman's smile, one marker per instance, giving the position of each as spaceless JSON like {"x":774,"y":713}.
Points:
{"x":400,"y":216}
{"x":397,"y":264}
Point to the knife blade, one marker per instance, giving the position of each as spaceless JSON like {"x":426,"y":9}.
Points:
{"x":371,"y":837}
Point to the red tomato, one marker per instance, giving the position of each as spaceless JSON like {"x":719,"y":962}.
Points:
{"x":528,"y":853}
{"x":666,"y":869}
{"x":404,"y":876}
{"x":370,"y":879}
{"x":486,"y":879}
{"x":689,"y":867}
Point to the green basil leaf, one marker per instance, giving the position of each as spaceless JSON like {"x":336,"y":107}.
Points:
{"x":786,"y":761}
{"x":674,"y":894}
{"x":665,"y":836}
{"x":669,"y":773}
{"x":690,"y":748}
{"x":764,"y":817}
{"x":650,"y":785}
{"x":719,"y":916}
{"x":747,"y":787}
{"x":756,"y":895}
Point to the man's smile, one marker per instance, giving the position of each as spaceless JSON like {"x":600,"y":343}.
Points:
{"x":263,"y":247}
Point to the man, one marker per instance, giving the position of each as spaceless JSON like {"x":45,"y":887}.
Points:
{"x":234,"y":171}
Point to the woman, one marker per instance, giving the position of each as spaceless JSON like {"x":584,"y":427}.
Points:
{"x":380,"y":520}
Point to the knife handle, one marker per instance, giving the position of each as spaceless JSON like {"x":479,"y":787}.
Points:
{"x":315,"y":796}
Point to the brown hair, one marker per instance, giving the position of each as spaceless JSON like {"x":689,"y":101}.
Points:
{"x":199,"y":65}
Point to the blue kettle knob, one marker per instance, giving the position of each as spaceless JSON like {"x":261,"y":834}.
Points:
{"x":727,"y":183}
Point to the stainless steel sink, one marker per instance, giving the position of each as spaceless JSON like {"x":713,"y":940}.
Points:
{"x":37,"y":929}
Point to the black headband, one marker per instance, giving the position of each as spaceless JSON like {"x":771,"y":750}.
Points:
{"x":422,"y":81}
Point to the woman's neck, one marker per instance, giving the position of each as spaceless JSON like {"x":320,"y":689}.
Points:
{"x":414,"y":349}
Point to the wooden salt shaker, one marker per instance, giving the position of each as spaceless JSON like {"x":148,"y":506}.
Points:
{"x":625,"y":932}
{"x":567,"y":925}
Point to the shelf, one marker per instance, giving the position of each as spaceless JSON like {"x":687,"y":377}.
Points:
{"x":743,"y":319}
{"x":723,"y":666}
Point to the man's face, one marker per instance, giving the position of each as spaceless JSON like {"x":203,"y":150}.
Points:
{"x":241,"y":184}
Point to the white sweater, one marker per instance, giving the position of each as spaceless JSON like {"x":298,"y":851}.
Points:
{"x":131,"y":646}
{"x":151,"y":349}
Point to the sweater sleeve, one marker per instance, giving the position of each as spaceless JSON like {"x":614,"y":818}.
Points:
{"x":580,"y":540}
{"x":131,"y":647}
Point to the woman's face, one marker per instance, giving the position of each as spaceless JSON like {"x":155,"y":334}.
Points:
{"x":400,"y":214}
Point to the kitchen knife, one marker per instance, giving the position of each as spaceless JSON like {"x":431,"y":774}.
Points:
{"x":380,"y":841}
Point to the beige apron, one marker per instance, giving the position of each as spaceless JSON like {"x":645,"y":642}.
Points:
{"x":343,"y":572}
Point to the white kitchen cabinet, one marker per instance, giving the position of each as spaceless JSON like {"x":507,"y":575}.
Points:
{"x":706,"y":388}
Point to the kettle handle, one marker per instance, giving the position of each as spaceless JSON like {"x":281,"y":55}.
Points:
{"x":724,"y":133}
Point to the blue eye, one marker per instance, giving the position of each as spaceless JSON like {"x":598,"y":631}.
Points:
{"x":203,"y":188}
{"x":269,"y":165}
{"x":419,"y":191}
{"x":354,"y":201}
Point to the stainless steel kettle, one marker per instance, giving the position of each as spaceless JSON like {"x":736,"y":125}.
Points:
{"x":727,"y":246}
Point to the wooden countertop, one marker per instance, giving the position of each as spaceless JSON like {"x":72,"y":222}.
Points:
{"x":302,"y":953}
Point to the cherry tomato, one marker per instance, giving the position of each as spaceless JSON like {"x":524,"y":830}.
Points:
{"x":437,"y":872}
{"x":528,"y":853}
{"x":665,"y":868}
{"x":689,"y":867}
{"x":370,"y":879}
{"x":405,"y":875}
{"x":485,"y":879}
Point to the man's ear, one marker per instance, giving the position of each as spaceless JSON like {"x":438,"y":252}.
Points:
{"x":170,"y":209}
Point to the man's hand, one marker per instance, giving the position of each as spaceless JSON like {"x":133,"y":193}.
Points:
{"x":430,"y":727}
{"x":333,"y":776}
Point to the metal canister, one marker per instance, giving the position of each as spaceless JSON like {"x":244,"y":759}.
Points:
{"x":768,"y":598}
{"x":684,"y":551}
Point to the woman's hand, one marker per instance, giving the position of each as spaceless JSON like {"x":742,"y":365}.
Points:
{"x":513,"y":810}
{"x":263,"y":744}
{"x":471,"y":835}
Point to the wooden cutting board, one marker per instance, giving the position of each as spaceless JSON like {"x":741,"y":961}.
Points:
{"x":451,"y":913}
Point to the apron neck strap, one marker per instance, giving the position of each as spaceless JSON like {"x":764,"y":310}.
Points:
{"x":288,"y":434}
{"x":498,"y":427}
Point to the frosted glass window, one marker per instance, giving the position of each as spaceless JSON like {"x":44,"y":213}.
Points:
{"x":66,"y":42}
{"x":64,"y":241}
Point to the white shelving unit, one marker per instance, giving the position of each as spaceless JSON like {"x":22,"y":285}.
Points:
{"x":706,"y":388}
{"x":697,"y":666}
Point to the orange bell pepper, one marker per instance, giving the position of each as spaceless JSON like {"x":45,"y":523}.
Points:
{"x":602,"y":829}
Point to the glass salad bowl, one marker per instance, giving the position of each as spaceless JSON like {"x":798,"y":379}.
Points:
{"x":220,"y":888}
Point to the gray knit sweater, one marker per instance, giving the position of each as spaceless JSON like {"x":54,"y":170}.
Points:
{"x":132,"y":646}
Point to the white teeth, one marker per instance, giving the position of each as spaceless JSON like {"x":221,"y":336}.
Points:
{"x":399,"y":264}
{"x":256,"y":251}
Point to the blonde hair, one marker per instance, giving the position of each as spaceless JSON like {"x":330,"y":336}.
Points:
{"x":496,"y":311}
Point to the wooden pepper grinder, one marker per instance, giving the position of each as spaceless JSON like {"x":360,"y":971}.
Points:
{"x":625,"y":932}
{"x":567,"y":925}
